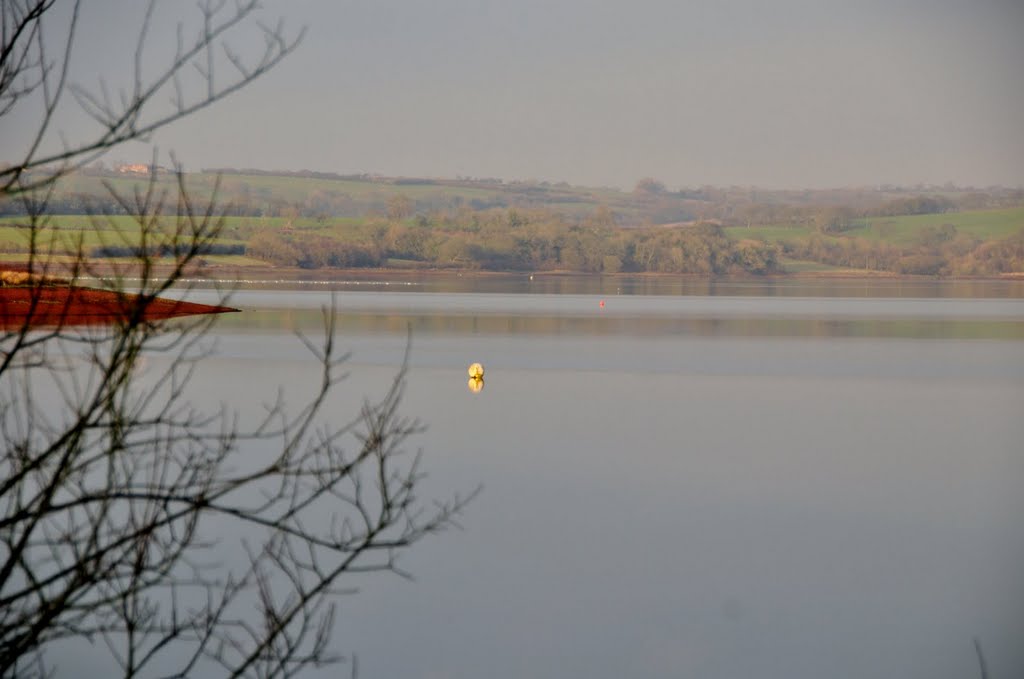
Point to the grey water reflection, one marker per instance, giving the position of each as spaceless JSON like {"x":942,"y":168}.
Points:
{"x":568,"y":284}
{"x":640,"y":315}
{"x":684,"y":486}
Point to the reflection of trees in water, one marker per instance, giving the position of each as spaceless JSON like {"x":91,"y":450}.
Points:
{"x":440,"y":323}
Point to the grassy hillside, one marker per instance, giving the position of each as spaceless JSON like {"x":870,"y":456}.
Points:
{"x":973,"y":238}
{"x":362,"y":221}
{"x":908,"y":229}
{"x":268,"y":194}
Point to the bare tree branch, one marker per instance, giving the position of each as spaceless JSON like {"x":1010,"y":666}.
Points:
{"x":103,"y":504}
{"x":112,"y":482}
{"x":25,"y":69}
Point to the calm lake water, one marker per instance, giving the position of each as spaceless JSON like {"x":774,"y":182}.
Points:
{"x":772,"y":480}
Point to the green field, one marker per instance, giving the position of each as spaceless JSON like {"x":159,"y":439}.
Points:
{"x":128,"y":224}
{"x":905,"y":230}
{"x":902,"y":230}
{"x":362,"y":193}
{"x":804,"y":266}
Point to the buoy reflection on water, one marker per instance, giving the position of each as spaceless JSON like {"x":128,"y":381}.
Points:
{"x":476,"y":378}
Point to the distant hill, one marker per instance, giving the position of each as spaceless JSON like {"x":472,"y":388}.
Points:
{"x":315,"y":220}
{"x":262,"y":193}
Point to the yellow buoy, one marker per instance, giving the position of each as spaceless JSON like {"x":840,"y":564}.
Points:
{"x":476,"y":371}
{"x":476,"y":384}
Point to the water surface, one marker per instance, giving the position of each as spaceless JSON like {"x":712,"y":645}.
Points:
{"x":725,"y":484}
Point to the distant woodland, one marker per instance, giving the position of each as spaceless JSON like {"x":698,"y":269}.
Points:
{"x":316,"y":220}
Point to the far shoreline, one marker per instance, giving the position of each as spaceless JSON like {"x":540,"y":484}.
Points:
{"x":217,"y":271}
{"x":298,"y":274}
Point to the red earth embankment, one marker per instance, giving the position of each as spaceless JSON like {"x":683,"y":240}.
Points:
{"x":64,"y":305}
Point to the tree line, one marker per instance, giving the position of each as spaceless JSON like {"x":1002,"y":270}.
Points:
{"x":519,"y":240}
{"x":543,"y":240}
{"x":938,"y":251}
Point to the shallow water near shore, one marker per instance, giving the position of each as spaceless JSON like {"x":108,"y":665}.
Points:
{"x":745,"y":482}
{"x":588,"y":284}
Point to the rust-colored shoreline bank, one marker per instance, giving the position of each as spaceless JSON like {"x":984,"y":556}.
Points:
{"x":36,"y":301}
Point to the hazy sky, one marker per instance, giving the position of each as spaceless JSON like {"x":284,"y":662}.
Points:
{"x":775,"y":93}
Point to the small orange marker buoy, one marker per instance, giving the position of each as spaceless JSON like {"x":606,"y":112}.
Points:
{"x":601,"y":304}
{"x":476,"y":371}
